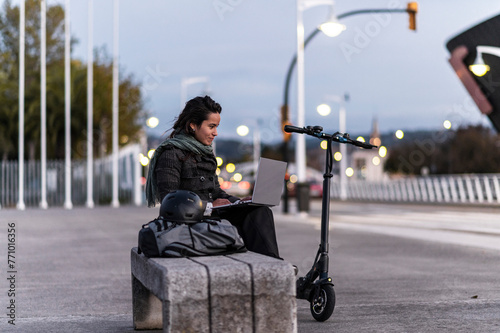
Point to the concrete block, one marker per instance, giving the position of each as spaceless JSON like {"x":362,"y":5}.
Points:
{"x":230,"y":294}
{"x":243,"y":292}
{"x":182,"y":286}
{"x":275,"y":305}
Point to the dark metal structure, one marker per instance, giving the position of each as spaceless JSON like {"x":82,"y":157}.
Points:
{"x":484,"y":90}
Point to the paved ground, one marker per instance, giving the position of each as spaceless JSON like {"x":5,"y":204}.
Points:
{"x":73,"y":268}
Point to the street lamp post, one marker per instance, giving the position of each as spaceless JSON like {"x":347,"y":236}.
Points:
{"x":243,"y":130}
{"x":115,"y":201}
{"x":90,"y":109}
{"x":185,"y":82}
{"x":298,"y":60}
{"x":343,"y":148}
{"x":300,"y":150}
{"x":67,"y":105}
{"x":22,"y":30}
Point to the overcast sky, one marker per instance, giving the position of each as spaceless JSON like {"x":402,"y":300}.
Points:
{"x":244,"y":47}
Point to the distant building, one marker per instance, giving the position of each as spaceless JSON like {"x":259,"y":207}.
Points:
{"x":367,"y":163}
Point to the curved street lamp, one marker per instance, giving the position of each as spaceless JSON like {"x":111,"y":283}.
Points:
{"x":411,"y":9}
{"x":479,"y":68}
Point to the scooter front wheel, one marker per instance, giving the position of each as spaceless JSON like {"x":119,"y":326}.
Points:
{"x":323,"y":303}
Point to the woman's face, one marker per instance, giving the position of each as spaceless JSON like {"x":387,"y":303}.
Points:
{"x":207,"y":131}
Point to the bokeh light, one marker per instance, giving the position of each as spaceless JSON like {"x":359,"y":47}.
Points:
{"x":230,"y":167}
{"x":152,"y":122}
{"x":242,"y":130}
{"x":324,"y":109}
{"x":382,"y":151}
{"x":400,"y":134}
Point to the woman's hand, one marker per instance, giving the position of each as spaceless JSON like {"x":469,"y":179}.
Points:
{"x":220,"y":202}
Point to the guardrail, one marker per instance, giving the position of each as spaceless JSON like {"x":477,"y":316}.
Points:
{"x":129,"y":182}
{"x":472,"y":189}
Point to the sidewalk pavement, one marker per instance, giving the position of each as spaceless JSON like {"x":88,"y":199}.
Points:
{"x":72,"y":267}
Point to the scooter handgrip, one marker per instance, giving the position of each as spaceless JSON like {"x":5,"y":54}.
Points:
{"x":294,"y":129}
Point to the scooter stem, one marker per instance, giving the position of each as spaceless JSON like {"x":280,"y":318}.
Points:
{"x":325,"y":214}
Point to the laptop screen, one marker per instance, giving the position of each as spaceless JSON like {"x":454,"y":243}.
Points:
{"x":269,"y":182}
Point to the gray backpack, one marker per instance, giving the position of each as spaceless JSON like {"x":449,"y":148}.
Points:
{"x":161,"y":238}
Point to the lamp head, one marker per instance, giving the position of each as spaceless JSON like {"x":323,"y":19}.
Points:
{"x":479,"y":68}
{"x":332,"y":28}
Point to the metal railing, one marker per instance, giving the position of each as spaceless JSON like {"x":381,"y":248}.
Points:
{"x":449,"y":189}
{"x":130,"y":188}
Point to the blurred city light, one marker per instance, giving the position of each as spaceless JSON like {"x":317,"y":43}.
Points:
{"x":447,"y":124}
{"x":376,"y":160}
{"x":151,"y":152}
{"x":349,"y":172}
{"x":219,"y":161}
{"x":324,"y":109}
{"x":323,"y":144}
{"x":293,"y":178}
{"x":230,"y":167}
{"x":382,"y":151}
{"x":361,"y":139}
{"x":144,"y":160}
{"x":337,"y":156}
{"x":152,"y":122}
{"x":399,"y":134}
{"x":242,"y":130}
{"x":244,"y":185}
{"x":237,"y":177}
{"x":225,"y":185}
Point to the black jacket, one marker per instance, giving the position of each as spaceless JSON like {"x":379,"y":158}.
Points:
{"x":178,"y":169}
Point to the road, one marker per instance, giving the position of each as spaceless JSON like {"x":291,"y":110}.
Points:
{"x":396,"y":268}
{"x":404,"y":268}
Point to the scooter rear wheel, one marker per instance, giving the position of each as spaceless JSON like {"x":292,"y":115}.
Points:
{"x":322,"y":306}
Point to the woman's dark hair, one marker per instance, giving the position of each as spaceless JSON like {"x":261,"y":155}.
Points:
{"x":196,"y":111}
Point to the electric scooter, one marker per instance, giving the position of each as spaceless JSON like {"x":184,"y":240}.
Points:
{"x":316,"y":286}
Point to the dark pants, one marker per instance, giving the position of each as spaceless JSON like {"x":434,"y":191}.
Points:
{"x":256,"y":226}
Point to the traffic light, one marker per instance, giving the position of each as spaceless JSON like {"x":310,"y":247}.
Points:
{"x":412,"y":10}
{"x":284,"y":121}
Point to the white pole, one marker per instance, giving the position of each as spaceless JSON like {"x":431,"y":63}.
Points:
{"x":183,"y":93}
{"x":43,"y":103}
{"x":185,"y":82}
{"x":343,"y":152}
{"x":137,"y":176}
{"x":67,"y":104}
{"x":20,"y":203}
{"x":115,"y":201}
{"x":90,"y":110}
{"x":256,"y":148}
{"x":300,"y":151}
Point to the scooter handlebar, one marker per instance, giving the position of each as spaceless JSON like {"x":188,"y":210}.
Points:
{"x":295,"y":129}
{"x":315,"y":131}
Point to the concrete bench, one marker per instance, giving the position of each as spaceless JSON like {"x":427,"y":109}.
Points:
{"x":242,"y":292}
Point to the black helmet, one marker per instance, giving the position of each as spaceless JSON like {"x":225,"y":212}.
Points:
{"x":182,"y":206}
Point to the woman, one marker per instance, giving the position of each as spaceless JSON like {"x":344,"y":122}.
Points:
{"x":185,"y":161}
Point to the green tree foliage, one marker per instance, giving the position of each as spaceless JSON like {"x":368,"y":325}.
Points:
{"x":472,"y":149}
{"x":131,"y":104}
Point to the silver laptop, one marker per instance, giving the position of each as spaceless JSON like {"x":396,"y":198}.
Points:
{"x":268,"y":187}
